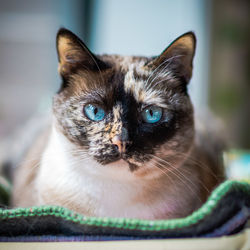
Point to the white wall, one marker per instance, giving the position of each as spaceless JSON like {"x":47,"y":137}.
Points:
{"x":28,"y":59}
{"x":147,"y":27}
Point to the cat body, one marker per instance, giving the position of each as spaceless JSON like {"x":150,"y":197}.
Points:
{"x":122,"y":141}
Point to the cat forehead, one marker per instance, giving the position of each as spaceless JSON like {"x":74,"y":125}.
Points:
{"x":145,"y":85}
{"x":124,"y":63}
{"x":130,"y":74}
{"x":139,"y":80}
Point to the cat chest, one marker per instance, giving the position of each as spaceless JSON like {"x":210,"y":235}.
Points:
{"x":94,"y":197}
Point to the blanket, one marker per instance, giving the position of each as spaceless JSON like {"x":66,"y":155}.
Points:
{"x":226,"y":212}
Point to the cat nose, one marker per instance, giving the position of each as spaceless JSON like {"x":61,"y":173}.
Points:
{"x":121,"y":145}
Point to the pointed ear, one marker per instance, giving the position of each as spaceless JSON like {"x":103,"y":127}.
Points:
{"x":178,"y":57}
{"x":73,"y":53}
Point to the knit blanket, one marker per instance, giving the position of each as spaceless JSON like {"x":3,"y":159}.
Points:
{"x":226,"y":212}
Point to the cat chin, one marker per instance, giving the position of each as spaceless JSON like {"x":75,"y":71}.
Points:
{"x":120,"y":163}
{"x":123,"y":162}
{"x":130,"y":164}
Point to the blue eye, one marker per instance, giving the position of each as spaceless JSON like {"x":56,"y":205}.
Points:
{"x":94,"y":112}
{"x":152,"y":114}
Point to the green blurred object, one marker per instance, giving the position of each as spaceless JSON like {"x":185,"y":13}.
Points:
{"x":5,"y":190}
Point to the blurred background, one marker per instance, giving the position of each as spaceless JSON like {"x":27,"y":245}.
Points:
{"x":221,"y":77}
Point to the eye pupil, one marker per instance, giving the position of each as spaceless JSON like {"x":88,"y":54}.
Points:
{"x":151,"y":112}
{"x":95,"y":111}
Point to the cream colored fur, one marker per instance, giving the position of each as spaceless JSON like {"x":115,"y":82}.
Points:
{"x":92,"y":189}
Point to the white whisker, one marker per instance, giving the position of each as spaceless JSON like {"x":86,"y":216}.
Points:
{"x":178,"y":174}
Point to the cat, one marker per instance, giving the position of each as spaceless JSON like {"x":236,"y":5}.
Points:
{"x":122,"y":140}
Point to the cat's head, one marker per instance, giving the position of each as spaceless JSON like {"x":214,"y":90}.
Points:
{"x":126,"y":107}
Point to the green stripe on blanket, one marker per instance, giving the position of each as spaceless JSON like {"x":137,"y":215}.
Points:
{"x":239,"y":190}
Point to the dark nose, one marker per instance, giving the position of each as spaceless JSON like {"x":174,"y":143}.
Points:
{"x":120,"y":141}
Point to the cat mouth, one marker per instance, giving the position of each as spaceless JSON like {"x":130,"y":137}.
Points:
{"x":132,"y":164}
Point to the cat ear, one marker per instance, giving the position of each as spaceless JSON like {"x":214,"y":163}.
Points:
{"x":73,"y":53}
{"x":178,"y":57}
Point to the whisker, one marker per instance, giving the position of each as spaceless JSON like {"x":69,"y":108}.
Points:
{"x":184,"y":169}
{"x":168,"y":61}
{"x":200,"y":164}
{"x":202,"y":184}
{"x":178,"y":176}
{"x":155,"y":70}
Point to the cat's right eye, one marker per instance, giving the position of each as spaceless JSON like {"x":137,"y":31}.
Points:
{"x":94,"y":112}
{"x":152,"y":114}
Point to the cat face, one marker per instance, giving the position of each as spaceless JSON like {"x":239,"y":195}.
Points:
{"x":131,"y":108}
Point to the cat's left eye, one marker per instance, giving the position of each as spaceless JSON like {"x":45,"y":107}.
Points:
{"x":152,"y":114}
{"x":94,"y":112}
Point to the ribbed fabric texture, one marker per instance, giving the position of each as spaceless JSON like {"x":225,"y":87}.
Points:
{"x":125,"y":223}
